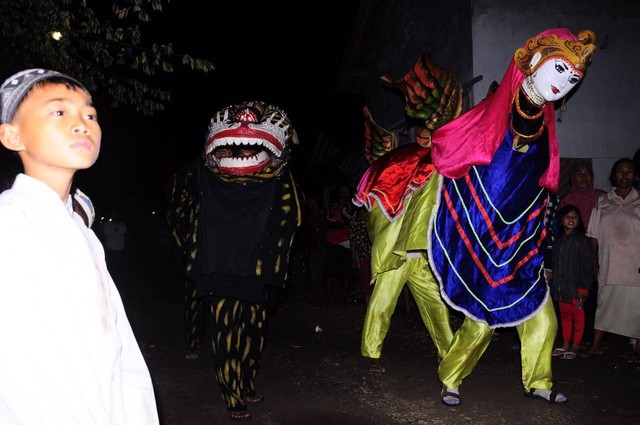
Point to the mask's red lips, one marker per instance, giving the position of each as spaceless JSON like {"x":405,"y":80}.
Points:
{"x":555,"y":90}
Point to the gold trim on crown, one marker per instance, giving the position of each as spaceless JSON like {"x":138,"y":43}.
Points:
{"x":577,"y":52}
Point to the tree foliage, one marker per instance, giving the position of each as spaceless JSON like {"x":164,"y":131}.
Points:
{"x":102,"y":44}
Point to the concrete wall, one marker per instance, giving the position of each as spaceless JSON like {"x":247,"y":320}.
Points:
{"x":602,"y":117}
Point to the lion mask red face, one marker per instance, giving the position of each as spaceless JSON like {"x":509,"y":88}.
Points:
{"x":249,"y":139}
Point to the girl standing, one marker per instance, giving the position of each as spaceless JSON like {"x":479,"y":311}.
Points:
{"x":571,"y":278}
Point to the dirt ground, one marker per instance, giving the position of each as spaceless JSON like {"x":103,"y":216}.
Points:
{"x":313,"y":372}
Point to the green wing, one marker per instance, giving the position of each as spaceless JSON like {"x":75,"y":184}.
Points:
{"x":378,"y":140}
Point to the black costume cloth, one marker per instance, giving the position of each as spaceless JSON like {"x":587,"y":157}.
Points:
{"x":239,"y":227}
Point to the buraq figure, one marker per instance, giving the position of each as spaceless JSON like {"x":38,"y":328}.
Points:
{"x":474,"y":192}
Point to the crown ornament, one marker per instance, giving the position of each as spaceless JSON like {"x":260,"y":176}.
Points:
{"x":577,"y":50}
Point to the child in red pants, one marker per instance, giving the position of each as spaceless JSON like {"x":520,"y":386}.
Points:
{"x":571,"y":278}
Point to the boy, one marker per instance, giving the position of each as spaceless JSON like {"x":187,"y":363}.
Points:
{"x":68,"y":354}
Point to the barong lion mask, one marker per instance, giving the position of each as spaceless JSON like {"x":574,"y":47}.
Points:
{"x":249,"y":140}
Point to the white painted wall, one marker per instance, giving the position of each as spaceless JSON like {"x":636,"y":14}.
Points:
{"x":602,"y":119}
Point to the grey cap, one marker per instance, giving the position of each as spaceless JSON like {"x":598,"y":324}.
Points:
{"x":14,"y":89}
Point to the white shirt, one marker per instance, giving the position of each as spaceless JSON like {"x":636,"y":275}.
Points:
{"x":68,"y":355}
{"x":615,"y":223}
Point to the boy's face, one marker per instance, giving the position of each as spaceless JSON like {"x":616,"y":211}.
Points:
{"x":55,"y":129}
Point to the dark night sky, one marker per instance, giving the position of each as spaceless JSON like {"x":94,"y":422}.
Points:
{"x":288,"y":56}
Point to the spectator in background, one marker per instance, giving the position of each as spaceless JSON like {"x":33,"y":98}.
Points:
{"x":299,"y":277}
{"x":337,"y":268}
{"x":615,"y":231}
{"x":316,"y":217}
{"x":114,"y":231}
{"x":571,"y":278}
{"x":584,"y":196}
{"x":636,"y":161}
{"x":361,"y":252}
{"x":636,"y":186}
{"x":182,"y":201}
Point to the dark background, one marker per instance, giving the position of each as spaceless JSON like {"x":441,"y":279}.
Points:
{"x":289,"y":56}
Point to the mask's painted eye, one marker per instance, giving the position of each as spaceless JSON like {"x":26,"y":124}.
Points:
{"x":559,"y":67}
{"x":574,"y":79}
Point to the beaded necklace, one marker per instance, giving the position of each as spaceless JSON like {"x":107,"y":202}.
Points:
{"x":532,"y":93}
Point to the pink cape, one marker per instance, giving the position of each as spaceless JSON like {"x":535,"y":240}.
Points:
{"x":473,"y":137}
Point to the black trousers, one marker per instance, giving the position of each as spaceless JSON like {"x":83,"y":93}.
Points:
{"x":238,"y":331}
{"x":195,"y":315}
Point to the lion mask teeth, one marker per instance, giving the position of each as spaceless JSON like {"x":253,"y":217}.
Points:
{"x":248,"y":138}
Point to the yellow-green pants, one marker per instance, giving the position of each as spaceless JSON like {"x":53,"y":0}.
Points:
{"x":415,"y":272}
{"x":537,"y":336}
{"x":391,"y":268}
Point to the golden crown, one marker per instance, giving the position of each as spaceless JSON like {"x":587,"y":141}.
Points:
{"x":578,"y":52}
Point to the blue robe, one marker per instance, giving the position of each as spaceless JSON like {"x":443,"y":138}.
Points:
{"x":487,"y":236}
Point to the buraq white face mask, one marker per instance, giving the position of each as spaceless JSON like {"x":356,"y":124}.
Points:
{"x":554,"y":78}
